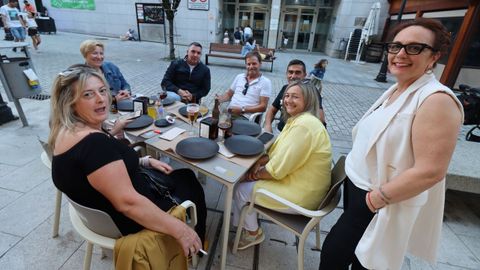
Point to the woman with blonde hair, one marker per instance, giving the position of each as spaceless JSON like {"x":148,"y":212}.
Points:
{"x":296,"y":167}
{"x":93,"y":52}
{"x":95,"y":170}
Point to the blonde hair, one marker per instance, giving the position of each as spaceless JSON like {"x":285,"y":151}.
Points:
{"x":89,"y":46}
{"x":67,"y":89}
{"x":310,"y":97}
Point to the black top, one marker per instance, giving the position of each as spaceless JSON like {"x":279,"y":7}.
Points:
{"x":70,"y":171}
{"x":178,"y":76}
{"x":277,"y":103}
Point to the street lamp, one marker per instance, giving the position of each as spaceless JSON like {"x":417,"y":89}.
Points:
{"x":382,"y":73}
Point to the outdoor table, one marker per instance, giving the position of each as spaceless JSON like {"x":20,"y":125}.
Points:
{"x":227,"y":171}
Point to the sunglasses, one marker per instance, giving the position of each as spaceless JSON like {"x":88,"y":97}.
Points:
{"x":410,"y":49}
{"x":245,"y":90}
{"x":74,"y":69}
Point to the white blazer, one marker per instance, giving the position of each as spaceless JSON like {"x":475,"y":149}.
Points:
{"x":413,"y":225}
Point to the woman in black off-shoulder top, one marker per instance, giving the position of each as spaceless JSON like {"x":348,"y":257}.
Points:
{"x":96,"y":170}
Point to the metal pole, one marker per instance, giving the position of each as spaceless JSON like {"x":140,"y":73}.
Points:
{"x":382,"y":73}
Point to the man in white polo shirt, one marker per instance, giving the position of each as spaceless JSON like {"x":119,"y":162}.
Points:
{"x":250,"y":91}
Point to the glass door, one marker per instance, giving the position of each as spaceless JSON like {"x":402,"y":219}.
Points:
{"x":243,"y":18}
{"x":304,"y":31}
{"x":288,"y":30}
{"x":258,"y":27}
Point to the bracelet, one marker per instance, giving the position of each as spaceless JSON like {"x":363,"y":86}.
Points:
{"x":384,"y":196}
{"x":370,"y":201}
{"x":144,"y":161}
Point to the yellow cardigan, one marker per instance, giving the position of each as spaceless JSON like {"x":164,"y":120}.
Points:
{"x":300,"y":163}
{"x":149,"y":250}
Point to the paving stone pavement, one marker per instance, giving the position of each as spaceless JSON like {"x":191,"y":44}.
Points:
{"x":27,"y":193}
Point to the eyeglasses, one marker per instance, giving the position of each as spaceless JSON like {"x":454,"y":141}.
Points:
{"x":244,"y":92}
{"x":410,"y":49}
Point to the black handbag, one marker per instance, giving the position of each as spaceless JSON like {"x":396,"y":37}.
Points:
{"x":161,"y":183}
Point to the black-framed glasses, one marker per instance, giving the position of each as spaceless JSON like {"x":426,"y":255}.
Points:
{"x":410,"y":49}
{"x":244,"y":92}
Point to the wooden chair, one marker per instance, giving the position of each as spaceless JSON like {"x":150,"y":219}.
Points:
{"x":302,"y":223}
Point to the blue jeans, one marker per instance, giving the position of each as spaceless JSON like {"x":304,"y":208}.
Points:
{"x":19,"y":33}
{"x":173,"y":95}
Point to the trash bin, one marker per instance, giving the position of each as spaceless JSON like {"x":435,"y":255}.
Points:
{"x":17,"y":81}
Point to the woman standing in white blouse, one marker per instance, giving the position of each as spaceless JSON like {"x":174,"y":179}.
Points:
{"x":393,"y":200}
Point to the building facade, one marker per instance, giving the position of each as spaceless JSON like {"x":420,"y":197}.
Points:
{"x":308,"y":25}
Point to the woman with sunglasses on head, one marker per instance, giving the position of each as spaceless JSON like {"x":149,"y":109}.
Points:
{"x":95,"y":170}
{"x":296,"y":167}
{"x":394,"y":197}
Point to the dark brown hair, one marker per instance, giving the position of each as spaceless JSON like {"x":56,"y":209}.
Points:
{"x":442,"y":36}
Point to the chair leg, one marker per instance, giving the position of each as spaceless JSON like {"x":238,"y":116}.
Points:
{"x":58,"y":207}
{"x":300,"y":251}
{"x":88,"y":256}
{"x":239,"y":229}
{"x":318,"y":236}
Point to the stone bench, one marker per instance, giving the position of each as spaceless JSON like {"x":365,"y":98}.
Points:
{"x":464,"y":171}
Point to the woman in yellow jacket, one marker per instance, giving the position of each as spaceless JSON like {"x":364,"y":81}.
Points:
{"x":297,"y":166}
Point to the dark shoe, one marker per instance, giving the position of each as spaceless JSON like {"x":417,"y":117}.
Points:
{"x":14,"y":49}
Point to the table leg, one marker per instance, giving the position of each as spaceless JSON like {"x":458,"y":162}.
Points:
{"x":20,"y":112}
{"x":226,"y":225}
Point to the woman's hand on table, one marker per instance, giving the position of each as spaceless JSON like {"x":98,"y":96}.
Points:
{"x":122,"y":95}
{"x":119,"y":125}
{"x":160,"y":166}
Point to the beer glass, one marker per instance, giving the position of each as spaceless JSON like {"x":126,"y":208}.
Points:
{"x":192,"y":111}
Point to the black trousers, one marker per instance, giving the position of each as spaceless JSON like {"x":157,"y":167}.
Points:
{"x":338,"y":250}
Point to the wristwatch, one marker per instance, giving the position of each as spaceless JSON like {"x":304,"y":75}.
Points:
{"x":243,"y":109}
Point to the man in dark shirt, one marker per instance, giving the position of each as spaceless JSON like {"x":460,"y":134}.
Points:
{"x":188,"y":79}
{"x":295,"y":71}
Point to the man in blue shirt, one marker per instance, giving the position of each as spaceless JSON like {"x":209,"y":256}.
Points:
{"x":188,"y":79}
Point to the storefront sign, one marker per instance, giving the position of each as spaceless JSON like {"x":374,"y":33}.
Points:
{"x":198,"y":4}
{"x":75,"y":4}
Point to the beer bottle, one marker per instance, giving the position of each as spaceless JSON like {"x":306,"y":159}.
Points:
{"x":113,"y":106}
{"x":213,"y":131}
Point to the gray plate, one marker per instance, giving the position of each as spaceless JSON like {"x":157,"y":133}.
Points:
{"x":197,"y":148}
{"x":140,"y":122}
{"x":183,"y":112}
{"x":245,"y":127}
{"x":244,"y":145}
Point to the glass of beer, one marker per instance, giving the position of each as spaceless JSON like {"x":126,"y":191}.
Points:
{"x":192,"y":111}
{"x":203,"y":108}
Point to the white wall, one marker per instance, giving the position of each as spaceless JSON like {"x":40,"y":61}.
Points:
{"x":114,"y":17}
{"x":345,"y":12}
